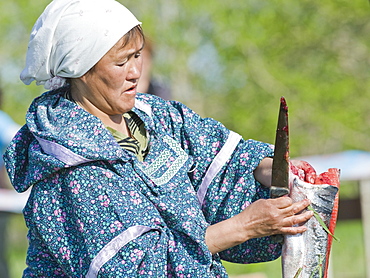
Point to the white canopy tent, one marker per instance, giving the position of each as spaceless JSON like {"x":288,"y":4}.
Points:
{"x":11,"y":201}
{"x":354,"y":164}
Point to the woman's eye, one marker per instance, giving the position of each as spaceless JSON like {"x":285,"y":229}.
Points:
{"x":122,"y":64}
{"x":135,"y":55}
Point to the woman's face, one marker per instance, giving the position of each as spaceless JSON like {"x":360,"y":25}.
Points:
{"x":111,"y":83}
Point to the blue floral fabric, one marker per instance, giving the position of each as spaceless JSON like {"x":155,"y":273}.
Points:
{"x":97,"y":211}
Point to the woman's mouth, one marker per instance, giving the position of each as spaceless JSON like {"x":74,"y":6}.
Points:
{"x":131,"y":89}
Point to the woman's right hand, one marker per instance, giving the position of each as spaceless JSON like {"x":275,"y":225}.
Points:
{"x":264,"y":217}
{"x":274,"y":216}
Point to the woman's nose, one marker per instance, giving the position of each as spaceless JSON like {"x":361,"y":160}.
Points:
{"x":135,"y":70}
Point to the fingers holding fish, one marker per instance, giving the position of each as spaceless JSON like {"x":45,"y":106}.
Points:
{"x":273,"y":216}
{"x":289,"y":206}
{"x":293,"y":216}
{"x":283,"y":202}
{"x":297,"y":207}
{"x":292,"y":224}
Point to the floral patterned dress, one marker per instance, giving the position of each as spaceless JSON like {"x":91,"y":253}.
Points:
{"x":95,"y":210}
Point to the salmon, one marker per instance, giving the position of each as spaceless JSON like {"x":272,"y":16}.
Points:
{"x":306,"y":255}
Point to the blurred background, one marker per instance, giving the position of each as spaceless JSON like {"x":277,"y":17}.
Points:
{"x":232,"y":61}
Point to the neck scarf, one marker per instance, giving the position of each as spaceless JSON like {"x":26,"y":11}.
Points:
{"x":71,"y":36}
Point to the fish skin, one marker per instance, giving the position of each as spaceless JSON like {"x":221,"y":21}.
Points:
{"x":331,"y":177}
{"x":309,"y":250}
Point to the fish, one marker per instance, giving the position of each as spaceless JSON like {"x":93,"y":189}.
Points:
{"x":306,"y":255}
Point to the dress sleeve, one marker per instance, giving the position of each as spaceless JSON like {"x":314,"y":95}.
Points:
{"x":232,"y":190}
{"x":223,"y":177}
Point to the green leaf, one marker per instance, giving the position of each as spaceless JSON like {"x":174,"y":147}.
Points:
{"x":322,"y":223}
{"x":298,"y":272}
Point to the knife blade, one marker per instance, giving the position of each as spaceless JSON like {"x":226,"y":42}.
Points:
{"x":280,"y":164}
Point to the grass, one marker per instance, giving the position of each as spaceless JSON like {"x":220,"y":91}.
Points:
{"x":347,"y":258}
{"x":17,"y":245}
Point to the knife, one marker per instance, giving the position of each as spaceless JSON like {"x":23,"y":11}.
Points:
{"x":280,"y":164}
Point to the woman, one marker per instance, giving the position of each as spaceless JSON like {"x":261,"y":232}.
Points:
{"x":126,"y":184}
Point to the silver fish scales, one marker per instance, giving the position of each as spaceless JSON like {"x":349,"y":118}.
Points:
{"x":306,"y":255}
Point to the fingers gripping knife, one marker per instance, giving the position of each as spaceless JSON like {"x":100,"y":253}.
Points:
{"x":280,"y":163}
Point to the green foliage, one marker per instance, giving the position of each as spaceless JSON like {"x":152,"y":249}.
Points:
{"x":315,"y":53}
{"x":233,"y":60}
{"x":16,"y":21}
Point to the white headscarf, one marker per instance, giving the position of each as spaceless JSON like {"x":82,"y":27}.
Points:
{"x":71,"y":36}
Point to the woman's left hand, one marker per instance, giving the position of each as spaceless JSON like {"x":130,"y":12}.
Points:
{"x":303,"y":170}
